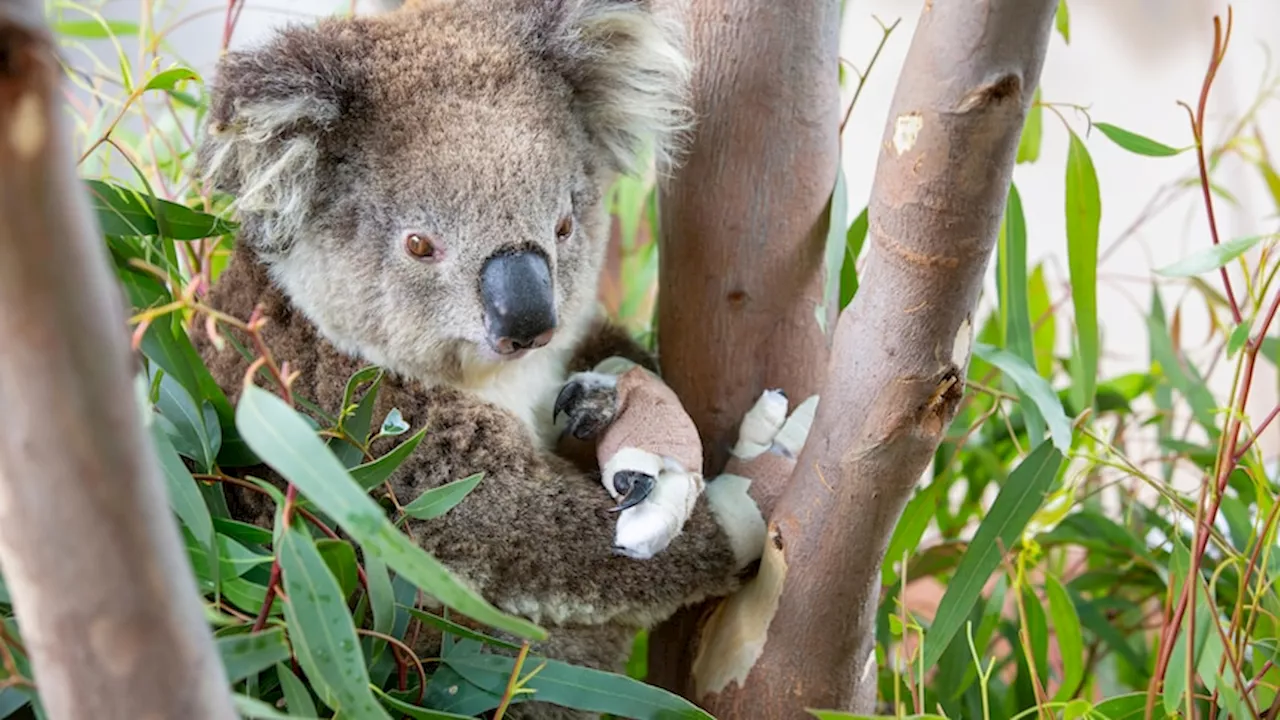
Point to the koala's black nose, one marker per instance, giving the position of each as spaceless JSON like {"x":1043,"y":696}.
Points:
{"x":519,"y":305}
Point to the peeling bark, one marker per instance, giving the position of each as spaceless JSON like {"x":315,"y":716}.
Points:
{"x":102,"y":589}
{"x":900,"y":353}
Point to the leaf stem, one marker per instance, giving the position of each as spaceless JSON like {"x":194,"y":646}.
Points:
{"x":512,"y":682}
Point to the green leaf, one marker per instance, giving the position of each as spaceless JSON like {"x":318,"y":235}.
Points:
{"x":340,"y":556}
{"x":321,"y":629}
{"x":579,"y":688}
{"x":1212,"y":257}
{"x":415,"y":712}
{"x":453,"y":628}
{"x":1127,"y":707}
{"x":1013,"y":508}
{"x":1015,"y":315}
{"x":355,"y":421}
{"x":855,"y":240}
{"x":168,"y":79}
{"x":1063,"y":21}
{"x":372,"y":474}
{"x":285,"y":442}
{"x":836,"y":247}
{"x":247,"y":655}
{"x":438,"y":501}
{"x":394,"y":424}
{"x":1077,"y":710}
{"x":1039,"y":305}
{"x":382,"y":600}
{"x":184,"y":495}
{"x":1134,"y":142}
{"x":1183,"y":377}
{"x":128,"y":212}
{"x":296,"y":696}
{"x":1084,"y":216}
{"x":911,"y":527}
{"x":1035,"y":387}
{"x":185,"y":423}
{"x":254,"y":708}
{"x":1032,"y":131}
{"x":1237,"y":339}
{"x":1066,"y":627}
{"x":94,"y":29}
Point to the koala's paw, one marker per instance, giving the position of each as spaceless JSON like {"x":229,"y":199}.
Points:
{"x":739,"y":517}
{"x":768,"y":428}
{"x":589,"y":401}
{"x":655,"y":499}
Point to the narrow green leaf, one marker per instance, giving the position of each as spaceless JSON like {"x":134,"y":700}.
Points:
{"x":1015,"y":313}
{"x":415,"y":712}
{"x":1077,"y":710}
{"x":256,"y":709}
{"x":321,"y":629}
{"x":296,"y":696}
{"x":855,"y":240}
{"x":1127,"y":707}
{"x":453,"y":628}
{"x":284,"y":441}
{"x":128,"y":212}
{"x":1063,"y":21}
{"x":1066,"y":626}
{"x":1084,"y":216}
{"x":1042,"y":320}
{"x":184,"y":495}
{"x":1183,"y":377}
{"x":579,"y":688}
{"x":372,"y":474}
{"x":1014,"y":506}
{"x":1032,"y":131}
{"x":168,"y":79}
{"x":95,"y":29}
{"x":438,"y":501}
{"x":340,"y":556}
{"x":1237,"y":339}
{"x":184,"y":423}
{"x":1034,"y":387}
{"x":246,"y":655}
{"x":1134,"y":142}
{"x":382,"y":600}
{"x":355,"y":421}
{"x":1212,"y":257}
{"x":836,"y":247}
{"x":911,"y":527}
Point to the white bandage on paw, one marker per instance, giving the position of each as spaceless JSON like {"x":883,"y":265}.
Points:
{"x":739,"y":516}
{"x":795,"y":432}
{"x":629,"y":458}
{"x":648,"y":528}
{"x":761,"y":425}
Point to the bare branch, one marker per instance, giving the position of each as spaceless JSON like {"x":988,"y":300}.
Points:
{"x":898,"y":365}
{"x":102,"y":590}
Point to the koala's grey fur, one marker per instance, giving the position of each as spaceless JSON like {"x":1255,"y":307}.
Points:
{"x":479,"y":123}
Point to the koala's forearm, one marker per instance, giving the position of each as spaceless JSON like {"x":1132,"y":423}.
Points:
{"x":536,"y":536}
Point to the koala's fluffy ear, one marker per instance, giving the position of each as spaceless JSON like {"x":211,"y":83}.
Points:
{"x":629,"y":72}
{"x":269,"y":110}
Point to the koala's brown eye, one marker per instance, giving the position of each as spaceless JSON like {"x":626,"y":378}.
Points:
{"x":420,"y":246}
{"x":564,"y":228}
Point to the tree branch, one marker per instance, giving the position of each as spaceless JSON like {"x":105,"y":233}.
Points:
{"x":802,"y":633}
{"x":743,"y":226}
{"x":102,"y":590}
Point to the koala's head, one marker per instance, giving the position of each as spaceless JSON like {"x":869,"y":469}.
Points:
{"x":428,"y":186}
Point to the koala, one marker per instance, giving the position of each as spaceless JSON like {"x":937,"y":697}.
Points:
{"x":424,"y":190}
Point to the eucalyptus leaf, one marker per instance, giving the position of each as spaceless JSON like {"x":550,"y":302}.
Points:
{"x":1212,"y":257}
{"x":437,"y":501}
{"x":249,"y":654}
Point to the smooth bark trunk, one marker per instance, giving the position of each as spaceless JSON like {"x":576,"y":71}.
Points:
{"x":801,"y":635}
{"x":102,"y":590}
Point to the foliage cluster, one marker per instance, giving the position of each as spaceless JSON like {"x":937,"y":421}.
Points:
{"x":1080,"y":581}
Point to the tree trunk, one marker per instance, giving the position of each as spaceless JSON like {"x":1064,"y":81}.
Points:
{"x":102,"y":590}
{"x":743,"y":229}
{"x":801,"y":635}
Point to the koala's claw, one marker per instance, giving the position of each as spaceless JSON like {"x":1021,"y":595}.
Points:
{"x":589,"y":401}
{"x":633,"y":486}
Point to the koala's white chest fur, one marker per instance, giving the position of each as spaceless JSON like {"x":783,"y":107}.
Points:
{"x":527,"y":388}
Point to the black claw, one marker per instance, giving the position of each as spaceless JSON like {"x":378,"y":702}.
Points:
{"x":568,"y":394}
{"x":634,"y":488}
